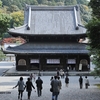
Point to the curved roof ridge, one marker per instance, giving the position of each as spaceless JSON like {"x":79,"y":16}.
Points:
{"x":52,"y":7}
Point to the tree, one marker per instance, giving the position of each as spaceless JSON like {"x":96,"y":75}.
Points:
{"x":84,"y":2}
{"x":17,"y":18}
{"x":93,"y":33}
{"x":2,"y":55}
{"x":34,"y":2}
{"x":7,"y":2}
{"x":70,"y":2}
{"x":42,"y":1}
{"x":4,"y":23}
{"x":85,"y":14}
{"x":0,"y":3}
{"x":95,"y":5}
{"x":13,"y":8}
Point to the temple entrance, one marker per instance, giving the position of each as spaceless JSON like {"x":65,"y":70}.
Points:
{"x":84,"y":64}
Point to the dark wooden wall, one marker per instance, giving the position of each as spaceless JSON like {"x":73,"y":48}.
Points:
{"x":44,"y":66}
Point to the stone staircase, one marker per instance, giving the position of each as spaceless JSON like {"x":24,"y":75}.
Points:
{"x":13,"y":72}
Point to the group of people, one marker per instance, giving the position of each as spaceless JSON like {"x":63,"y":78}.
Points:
{"x":86,"y":82}
{"x":80,"y":82}
{"x":56,"y":85}
{"x":28,"y":86}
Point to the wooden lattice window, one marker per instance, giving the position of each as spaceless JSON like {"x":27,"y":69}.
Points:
{"x":53,"y":61}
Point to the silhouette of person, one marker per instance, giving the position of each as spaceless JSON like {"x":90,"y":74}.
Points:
{"x":81,"y":82}
{"x":39,"y":83}
{"x":86,"y":82}
{"x":28,"y":87}
{"x":66,"y":81}
{"x":55,"y":84}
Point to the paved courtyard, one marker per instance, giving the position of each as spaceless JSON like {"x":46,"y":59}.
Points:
{"x":67,"y":93}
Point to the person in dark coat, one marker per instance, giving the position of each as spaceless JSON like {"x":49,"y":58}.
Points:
{"x":81,"y":82}
{"x":28,"y":87}
{"x":55,"y":84}
{"x":39,"y":83}
{"x":58,"y":73}
{"x":52,"y":78}
{"x":66,"y":81}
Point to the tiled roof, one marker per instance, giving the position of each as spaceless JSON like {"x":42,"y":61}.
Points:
{"x":40,"y":20}
{"x":48,"y":48}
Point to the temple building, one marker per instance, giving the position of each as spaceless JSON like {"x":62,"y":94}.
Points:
{"x":52,"y":35}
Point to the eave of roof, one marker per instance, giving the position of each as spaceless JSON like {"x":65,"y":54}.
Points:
{"x":48,"y":48}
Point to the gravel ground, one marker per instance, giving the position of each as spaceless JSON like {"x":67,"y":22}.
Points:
{"x":72,"y":92}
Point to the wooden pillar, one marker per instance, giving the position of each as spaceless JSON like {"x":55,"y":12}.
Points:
{"x":77,"y":63}
{"x":41,"y":62}
{"x":28,"y":62}
{"x":64,"y":62}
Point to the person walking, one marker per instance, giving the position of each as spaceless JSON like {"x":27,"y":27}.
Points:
{"x":28,"y":87}
{"x":55,"y":85}
{"x":58,"y":73}
{"x":61,"y":73}
{"x":66,"y":81}
{"x":31,"y":76}
{"x":86,"y":82}
{"x":81,"y":82}
{"x":60,"y":83}
{"x":51,"y":89}
{"x":39,"y":83}
{"x":34,"y":76}
{"x":21,"y":87}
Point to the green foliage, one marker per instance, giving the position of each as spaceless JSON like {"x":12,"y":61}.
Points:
{"x":21,"y":3}
{"x":85,"y":14}
{"x":2,"y":55}
{"x":6,"y":35}
{"x":93,"y":33}
{"x":17,"y":18}
{"x":0,"y":3}
{"x":96,"y":61}
{"x":70,"y":2}
{"x":34,"y":2}
{"x":95,"y":5}
{"x":13,"y":8}
{"x":41,"y":1}
{"x":4,"y":22}
{"x":84,"y":2}
{"x":98,"y":85}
